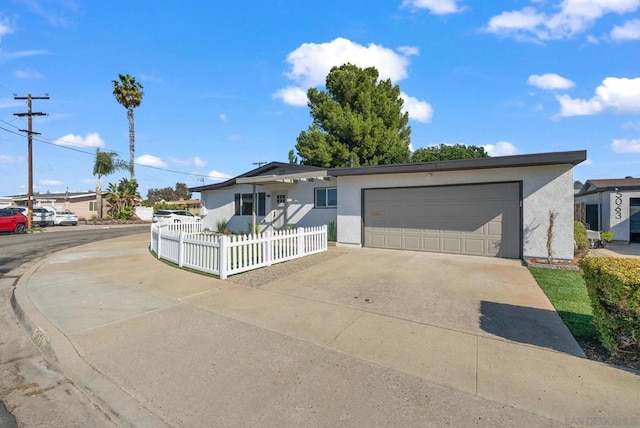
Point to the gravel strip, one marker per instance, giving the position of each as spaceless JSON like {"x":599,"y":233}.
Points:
{"x":258,"y":277}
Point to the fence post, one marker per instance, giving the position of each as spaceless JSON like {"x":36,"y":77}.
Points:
{"x":181,"y":249}
{"x":159,"y":240}
{"x":300,"y":233}
{"x":268,"y":241}
{"x":222,"y":256}
{"x":325,"y":237}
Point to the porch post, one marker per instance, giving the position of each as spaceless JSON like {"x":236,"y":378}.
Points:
{"x":253,"y":210}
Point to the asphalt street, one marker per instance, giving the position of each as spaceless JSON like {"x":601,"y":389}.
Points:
{"x":15,"y":252}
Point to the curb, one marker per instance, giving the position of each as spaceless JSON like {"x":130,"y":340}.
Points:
{"x":123,"y":409}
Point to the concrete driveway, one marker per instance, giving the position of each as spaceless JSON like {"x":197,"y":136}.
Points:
{"x":482,"y":296}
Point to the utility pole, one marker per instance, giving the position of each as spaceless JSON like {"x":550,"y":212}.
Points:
{"x":30,"y":133}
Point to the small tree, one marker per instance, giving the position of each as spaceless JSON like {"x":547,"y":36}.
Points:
{"x":106,"y":163}
{"x":553,"y":214}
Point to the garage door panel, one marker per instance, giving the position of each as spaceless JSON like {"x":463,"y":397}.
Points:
{"x":473,"y":219}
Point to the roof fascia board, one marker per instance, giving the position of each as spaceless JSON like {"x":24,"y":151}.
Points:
{"x":537,"y":159}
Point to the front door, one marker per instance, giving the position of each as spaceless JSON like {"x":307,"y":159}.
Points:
{"x":278,"y":209}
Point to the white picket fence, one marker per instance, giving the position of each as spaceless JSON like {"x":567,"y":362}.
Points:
{"x":186,"y":244}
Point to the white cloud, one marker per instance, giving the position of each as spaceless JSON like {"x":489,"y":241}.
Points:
{"x":621,"y":95}
{"x":626,"y":146}
{"x":587,"y":162}
{"x":223,"y":117}
{"x":6,"y":27}
{"x":28,"y":74}
{"x":150,"y":160}
{"x":550,"y":81}
{"x":420,"y":111}
{"x":630,"y":30}
{"x":196,"y":161}
{"x":501,"y":148}
{"x":631,"y":125}
{"x":311,"y":63}
{"x":217,"y":175}
{"x":46,"y":182}
{"x":292,"y":95}
{"x":91,"y":140}
{"x":436,"y":7}
{"x":11,"y":159}
{"x":21,"y":54}
{"x":556,"y":20}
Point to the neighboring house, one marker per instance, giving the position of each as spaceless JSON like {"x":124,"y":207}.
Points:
{"x":611,"y":205}
{"x":83,"y":204}
{"x":495,"y":206}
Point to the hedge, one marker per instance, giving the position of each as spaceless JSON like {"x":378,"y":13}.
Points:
{"x":613,"y":285}
{"x":581,"y":240}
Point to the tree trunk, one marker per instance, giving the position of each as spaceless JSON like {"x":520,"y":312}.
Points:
{"x":132,"y":142}
{"x":99,"y":198}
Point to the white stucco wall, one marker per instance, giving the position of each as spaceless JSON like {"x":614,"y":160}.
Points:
{"x":543,"y":187}
{"x":219,"y":204}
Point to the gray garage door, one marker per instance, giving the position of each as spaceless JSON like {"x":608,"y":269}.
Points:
{"x":472,"y":219}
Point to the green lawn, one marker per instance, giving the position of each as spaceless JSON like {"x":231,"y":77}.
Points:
{"x":568,"y":294}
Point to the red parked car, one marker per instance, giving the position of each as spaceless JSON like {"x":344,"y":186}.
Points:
{"x":12,"y":221}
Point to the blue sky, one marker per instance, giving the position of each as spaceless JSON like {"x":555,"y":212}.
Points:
{"x":225,"y":83}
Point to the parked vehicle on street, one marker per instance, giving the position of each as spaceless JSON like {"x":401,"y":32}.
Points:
{"x":12,"y":221}
{"x":64,"y":217}
{"x":41,"y":216}
{"x":174,"y":216}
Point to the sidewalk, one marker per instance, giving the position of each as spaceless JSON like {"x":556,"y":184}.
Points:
{"x":157,"y":346}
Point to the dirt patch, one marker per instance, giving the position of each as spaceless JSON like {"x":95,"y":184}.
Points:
{"x":594,"y":350}
{"x":259,"y":277}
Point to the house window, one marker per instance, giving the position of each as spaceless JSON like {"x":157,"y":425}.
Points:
{"x":93,"y":206}
{"x":244,"y":204}
{"x":326,"y":197}
{"x":281,"y":199}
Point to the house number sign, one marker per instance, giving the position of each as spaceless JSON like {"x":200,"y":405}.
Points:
{"x":618,"y":204}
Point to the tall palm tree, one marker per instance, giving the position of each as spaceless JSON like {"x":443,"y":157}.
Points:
{"x":106,"y":163}
{"x":129,"y":94}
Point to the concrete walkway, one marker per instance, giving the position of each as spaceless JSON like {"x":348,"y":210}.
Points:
{"x":154,"y":345}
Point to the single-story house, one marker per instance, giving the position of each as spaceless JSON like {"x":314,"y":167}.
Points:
{"x":497,"y":206}
{"x":611,"y":205}
{"x":83,"y":204}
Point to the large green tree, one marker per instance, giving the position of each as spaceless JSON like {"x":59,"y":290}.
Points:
{"x":106,"y":163}
{"x":448,"y":152}
{"x":128,"y":93}
{"x":358,"y":120}
{"x":181,"y":191}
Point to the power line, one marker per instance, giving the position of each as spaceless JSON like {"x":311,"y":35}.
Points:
{"x":49,"y":142}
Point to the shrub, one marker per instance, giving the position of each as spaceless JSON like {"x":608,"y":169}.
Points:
{"x":607,"y":236}
{"x":613,"y":285}
{"x":581,"y":240}
{"x":332,"y":231}
{"x":221,"y":225}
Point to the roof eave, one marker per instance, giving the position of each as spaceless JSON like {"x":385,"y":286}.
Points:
{"x":538,"y":159}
